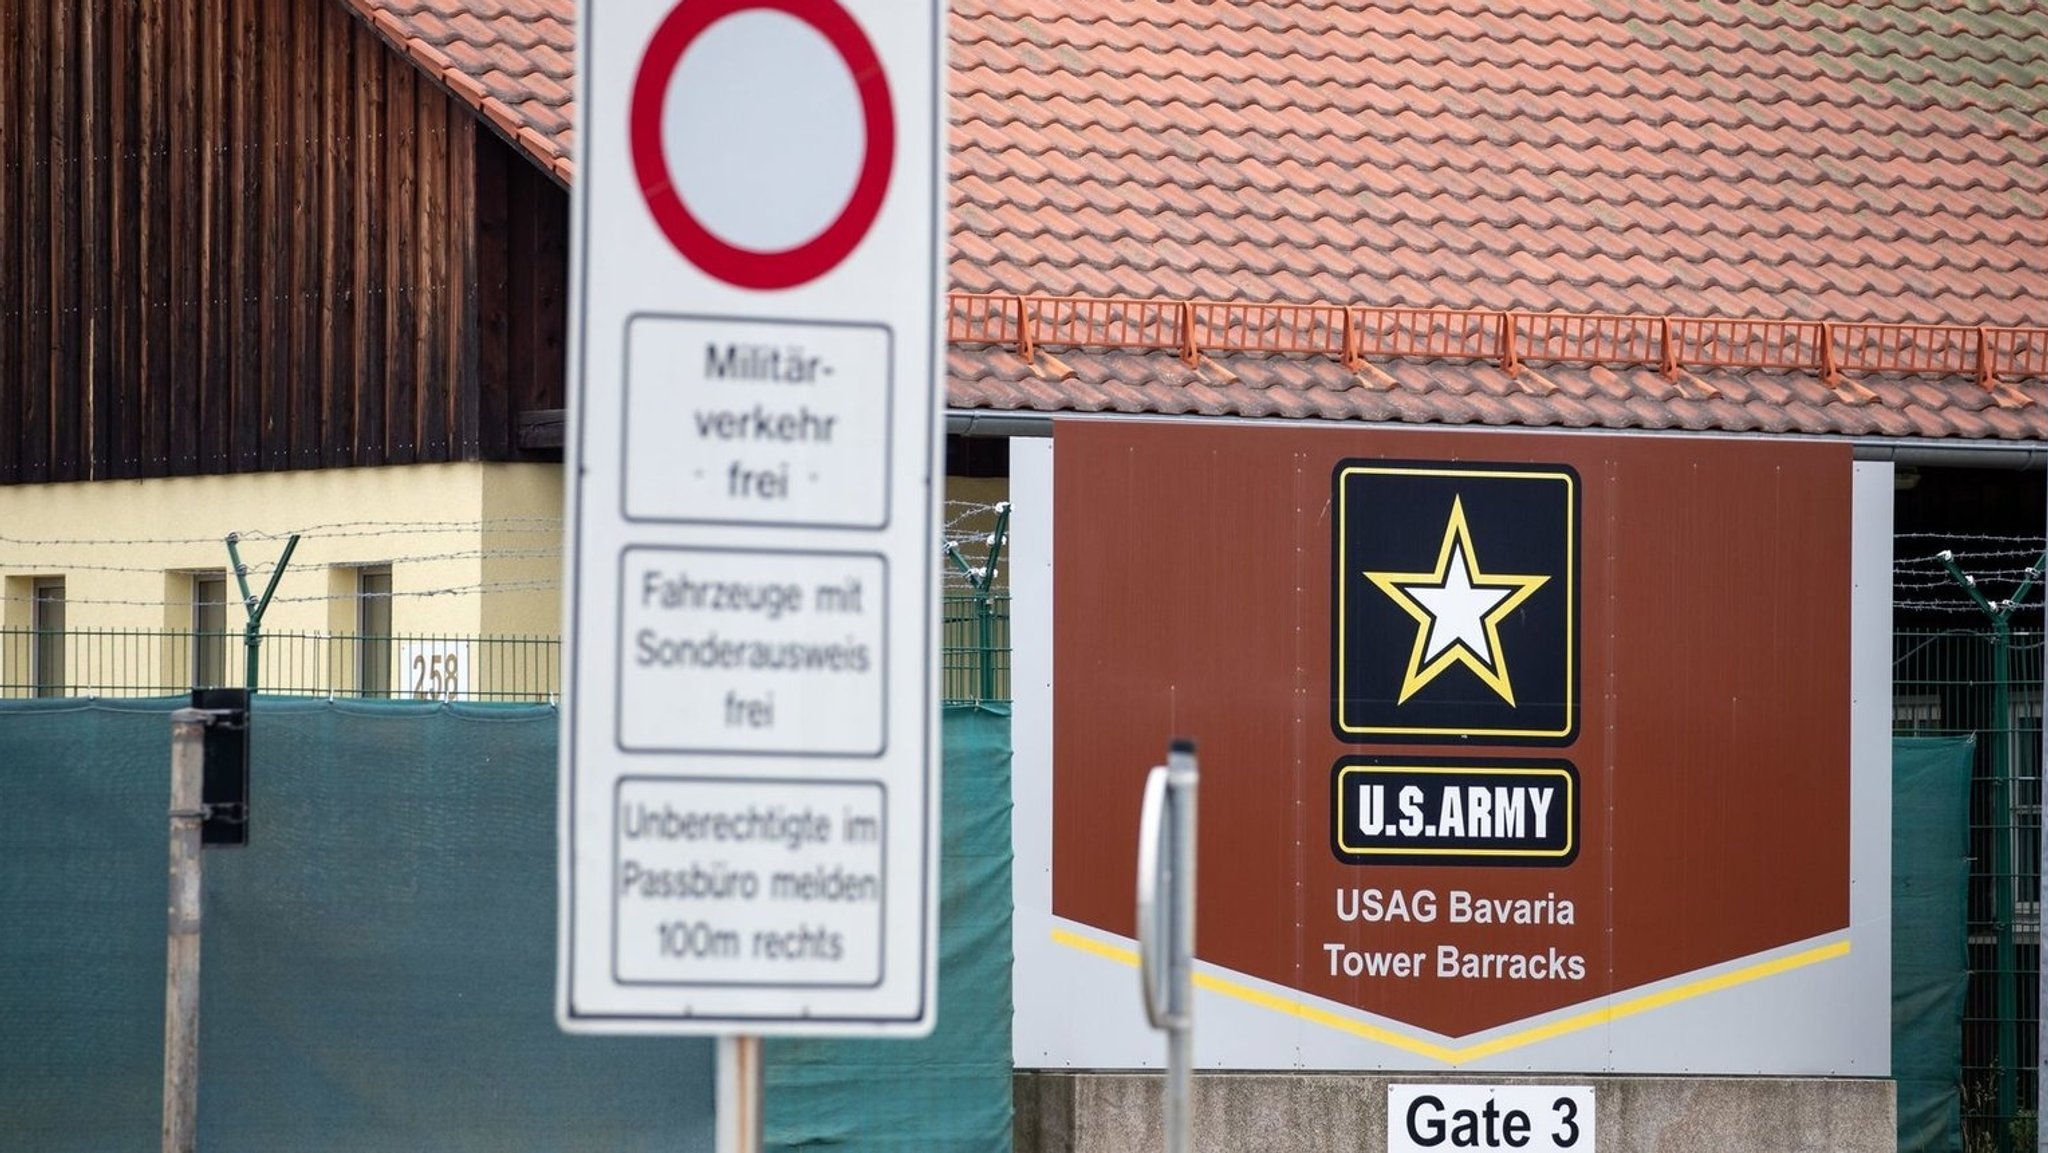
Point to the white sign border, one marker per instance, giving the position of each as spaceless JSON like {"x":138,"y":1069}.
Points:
{"x":921,"y":1022}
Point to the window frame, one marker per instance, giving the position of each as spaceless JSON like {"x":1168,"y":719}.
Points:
{"x":209,"y":642}
{"x":373,"y":631}
{"x":46,"y":653}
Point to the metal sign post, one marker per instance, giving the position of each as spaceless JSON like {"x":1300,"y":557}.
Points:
{"x":1166,"y":925}
{"x":739,"y":1094}
{"x":191,"y":811}
{"x":181,"y":965}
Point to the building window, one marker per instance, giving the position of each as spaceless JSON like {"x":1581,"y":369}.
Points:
{"x":209,"y":631}
{"x":373,"y":632}
{"x":46,"y":619}
{"x":1915,"y":714}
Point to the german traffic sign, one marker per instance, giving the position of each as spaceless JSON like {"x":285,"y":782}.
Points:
{"x":748,"y":829}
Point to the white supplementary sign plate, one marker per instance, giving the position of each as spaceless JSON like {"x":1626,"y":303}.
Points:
{"x":1509,"y":1118}
{"x":749,"y":787}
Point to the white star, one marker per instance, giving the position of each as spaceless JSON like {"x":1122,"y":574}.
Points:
{"x":1458,"y":607}
{"x":1458,"y":611}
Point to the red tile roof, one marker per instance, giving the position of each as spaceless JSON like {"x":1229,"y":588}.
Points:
{"x":1847,"y":163}
{"x":511,"y":60}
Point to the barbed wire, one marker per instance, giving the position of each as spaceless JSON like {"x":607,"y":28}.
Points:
{"x":348,"y":529}
{"x":1957,"y":606}
{"x":1967,"y":555}
{"x":2006,"y":537}
{"x":328,"y":530}
{"x":958,"y":568}
{"x":552,"y":552}
{"x":1923,"y":580}
{"x":271,"y":565}
{"x":536,"y":585}
{"x":960,"y":511}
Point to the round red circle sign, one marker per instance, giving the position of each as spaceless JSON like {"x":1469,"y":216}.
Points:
{"x":731,"y":263}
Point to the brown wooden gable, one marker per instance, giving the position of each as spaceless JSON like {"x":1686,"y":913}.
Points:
{"x":246,"y":235}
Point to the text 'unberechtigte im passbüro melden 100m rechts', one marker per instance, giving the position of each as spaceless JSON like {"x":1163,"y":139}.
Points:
{"x":747,"y":881}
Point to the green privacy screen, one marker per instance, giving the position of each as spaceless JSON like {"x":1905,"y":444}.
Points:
{"x":378,"y":965}
{"x":1930,"y":881}
{"x":948,"y":1093}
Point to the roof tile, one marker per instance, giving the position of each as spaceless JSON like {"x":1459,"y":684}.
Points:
{"x":508,"y":59}
{"x":1877,"y":162}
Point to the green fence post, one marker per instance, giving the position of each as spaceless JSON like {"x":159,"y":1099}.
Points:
{"x":2005,"y":879}
{"x":981,"y":580}
{"x":2002,"y":864}
{"x":252,"y":632}
{"x":985,"y":587}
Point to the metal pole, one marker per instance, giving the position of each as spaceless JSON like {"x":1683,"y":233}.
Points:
{"x":1180,"y":1036}
{"x":984,"y":620}
{"x":987,"y":588}
{"x":1166,"y":927}
{"x":2003,"y":855}
{"x":739,"y":1094}
{"x":2003,"y":865}
{"x":181,"y":969}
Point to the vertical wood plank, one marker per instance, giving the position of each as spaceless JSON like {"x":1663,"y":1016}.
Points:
{"x":490,"y":381}
{"x":303,"y":150}
{"x":338,"y":278}
{"x":530,"y":237}
{"x":462,"y":271}
{"x":63,"y":251}
{"x":521,"y":287}
{"x":431,"y":273}
{"x":13,"y":167}
{"x":402,"y":426}
{"x":245,"y":165}
{"x":157,"y":249}
{"x":185,"y":242}
{"x":124,"y":424}
{"x":217,"y":141}
{"x":95,"y":202}
{"x":274,"y":28}
{"x":35,"y":271}
{"x":551,"y":303}
{"x":372,"y":328}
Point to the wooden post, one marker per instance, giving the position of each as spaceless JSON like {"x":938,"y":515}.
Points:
{"x":181,"y":970}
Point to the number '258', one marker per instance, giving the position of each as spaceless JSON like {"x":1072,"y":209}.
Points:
{"x":437,"y":676}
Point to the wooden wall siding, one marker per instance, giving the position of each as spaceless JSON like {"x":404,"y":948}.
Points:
{"x":523,"y":273}
{"x":243,"y":235}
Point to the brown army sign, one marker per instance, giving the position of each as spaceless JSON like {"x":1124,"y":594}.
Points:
{"x":1491,"y":725}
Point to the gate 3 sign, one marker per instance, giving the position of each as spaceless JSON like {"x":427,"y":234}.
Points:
{"x":1530,"y":751}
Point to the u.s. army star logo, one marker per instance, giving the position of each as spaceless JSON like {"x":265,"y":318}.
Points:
{"x":1458,"y":610}
{"x":1456,"y":602}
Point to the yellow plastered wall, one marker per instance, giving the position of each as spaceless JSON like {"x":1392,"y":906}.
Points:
{"x":472,"y":549}
{"x":522,"y":545}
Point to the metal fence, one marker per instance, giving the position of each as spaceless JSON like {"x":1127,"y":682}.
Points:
{"x":975,"y":662}
{"x":1975,"y":681}
{"x":974,"y":648}
{"x":157,"y":662}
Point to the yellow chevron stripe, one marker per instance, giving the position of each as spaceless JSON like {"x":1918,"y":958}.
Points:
{"x":1458,"y":1056}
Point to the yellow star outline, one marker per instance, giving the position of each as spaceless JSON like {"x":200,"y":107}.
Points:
{"x":1491,"y":667}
